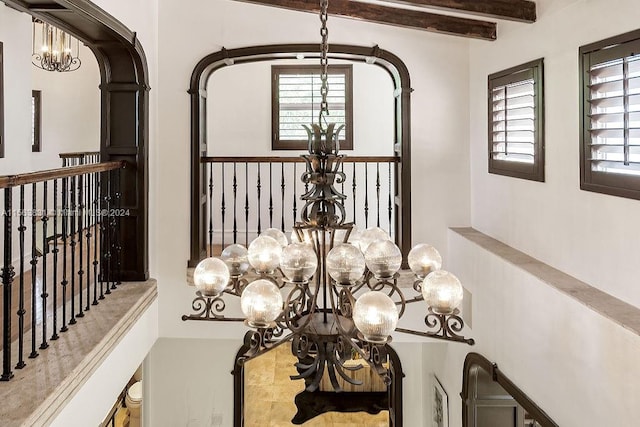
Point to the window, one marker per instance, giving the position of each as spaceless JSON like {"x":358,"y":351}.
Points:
{"x":610,"y":119}
{"x":1,"y":104}
{"x":36,"y":120}
{"x":516,"y":122}
{"x":296,"y":102}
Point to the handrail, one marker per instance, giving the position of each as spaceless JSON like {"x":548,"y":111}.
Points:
{"x":78,"y":154}
{"x":297,"y":159}
{"x":9,"y":181}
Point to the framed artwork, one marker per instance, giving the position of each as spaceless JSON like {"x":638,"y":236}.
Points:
{"x":440,"y":405}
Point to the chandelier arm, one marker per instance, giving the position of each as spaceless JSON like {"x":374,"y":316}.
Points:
{"x":469,"y":341}
{"x":288,"y":319}
{"x":209,"y":308}
{"x":257,"y":345}
{"x":341,"y":330}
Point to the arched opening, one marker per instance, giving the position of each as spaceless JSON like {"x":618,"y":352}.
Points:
{"x":310,"y":405}
{"x":225,"y":58}
{"x":124,"y":115}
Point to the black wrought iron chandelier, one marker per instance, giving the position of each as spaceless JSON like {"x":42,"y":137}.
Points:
{"x":342,"y":286}
{"x":54,"y":49}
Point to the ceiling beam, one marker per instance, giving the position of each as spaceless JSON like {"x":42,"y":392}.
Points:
{"x":393,"y":16}
{"x":513,"y":10}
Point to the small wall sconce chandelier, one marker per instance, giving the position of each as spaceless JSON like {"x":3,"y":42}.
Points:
{"x":53,"y":49}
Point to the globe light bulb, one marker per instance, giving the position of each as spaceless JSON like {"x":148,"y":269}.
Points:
{"x":236,"y":258}
{"x":278,"y":235}
{"x":298,"y":262}
{"x":375,"y":315}
{"x":371,"y":235}
{"x":383,"y":258}
{"x":264,"y":254}
{"x":345,"y":264}
{"x":261,"y":302}
{"x":442,"y":291}
{"x":423,"y":259}
{"x":211,"y":277}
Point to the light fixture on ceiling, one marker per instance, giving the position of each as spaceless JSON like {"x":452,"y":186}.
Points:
{"x":54,"y":49}
{"x":342,"y":286}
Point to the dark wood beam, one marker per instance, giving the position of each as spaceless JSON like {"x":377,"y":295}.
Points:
{"x":513,"y":10}
{"x":393,"y":16}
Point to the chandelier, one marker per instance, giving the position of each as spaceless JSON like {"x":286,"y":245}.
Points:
{"x":54,"y":49}
{"x":342,"y":296}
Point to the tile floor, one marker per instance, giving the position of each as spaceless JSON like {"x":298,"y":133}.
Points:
{"x":269,"y":395}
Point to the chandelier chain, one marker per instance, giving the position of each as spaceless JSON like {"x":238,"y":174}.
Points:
{"x":324,"y":63}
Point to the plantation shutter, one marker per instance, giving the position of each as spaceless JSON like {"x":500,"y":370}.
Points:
{"x":297,"y":102}
{"x":614,"y":113}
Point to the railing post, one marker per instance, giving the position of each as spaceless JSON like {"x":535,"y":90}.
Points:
{"x":7,"y":280}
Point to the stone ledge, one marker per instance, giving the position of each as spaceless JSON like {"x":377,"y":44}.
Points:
{"x":618,"y":311}
{"x":40,"y":391}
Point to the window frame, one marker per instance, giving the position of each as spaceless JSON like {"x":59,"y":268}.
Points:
{"x":36,"y":98}
{"x":530,"y":171}
{"x":614,"y":184}
{"x":276,"y":70}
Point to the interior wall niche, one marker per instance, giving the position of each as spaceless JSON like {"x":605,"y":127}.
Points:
{"x":490,"y":399}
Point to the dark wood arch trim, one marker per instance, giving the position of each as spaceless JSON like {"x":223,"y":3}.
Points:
{"x":395,"y":390}
{"x":124,"y":89}
{"x":224,"y":58}
{"x":475,"y":359}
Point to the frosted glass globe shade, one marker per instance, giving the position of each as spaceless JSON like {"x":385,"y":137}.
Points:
{"x":298,"y":262}
{"x":423,"y":259}
{"x":236,"y":258}
{"x":261,"y":303}
{"x":345,"y":264}
{"x":354,"y":237}
{"x":371,"y":235}
{"x":383,"y":258}
{"x":211,"y":276}
{"x":264,"y":254}
{"x":278,"y":235}
{"x":375,"y":315}
{"x":442,"y":291}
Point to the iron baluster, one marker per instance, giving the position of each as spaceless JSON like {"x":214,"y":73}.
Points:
{"x":295,"y":208}
{"x":7,"y":281}
{"x":282,"y":187}
{"x":54,"y":328}
{"x":258,"y":186}
{"x":34,"y":263}
{"x":210,"y":248}
{"x":21,"y":310}
{"x":235,"y":205}
{"x":366,"y":195}
{"x":353,"y":191}
{"x":44,"y":294}
{"x":246,"y":204}
{"x":222,"y":206}
{"x":72,"y":250}
{"x":116,"y":219}
{"x":390,"y":199}
{"x":270,"y":195}
{"x":80,"y":246}
{"x":96,"y":213}
{"x":65,"y":231}
{"x":378,"y":191}
{"x":87,"y":224}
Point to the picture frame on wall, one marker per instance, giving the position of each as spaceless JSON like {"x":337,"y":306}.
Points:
{"x":440,"y":405}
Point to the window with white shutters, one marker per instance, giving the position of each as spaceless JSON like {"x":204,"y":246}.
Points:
{"x":610,"y":146}
{"x":516,"y":127}
{"x":296,"y":102}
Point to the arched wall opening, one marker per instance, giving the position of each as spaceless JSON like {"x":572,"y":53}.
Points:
{"x":399,"y":75}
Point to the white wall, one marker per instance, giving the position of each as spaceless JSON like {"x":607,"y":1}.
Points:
{"x":591,"y":236}
{"x":239,"y":110}
{"x":203,"y":396}
{"x":577,"y":365}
